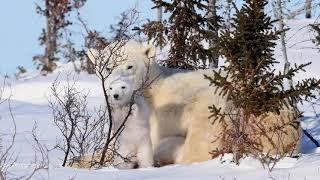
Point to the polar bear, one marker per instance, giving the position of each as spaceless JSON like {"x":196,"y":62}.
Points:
{"x":134,"y":141}
{"x":179,"y":103}
{"x":140,"y":65}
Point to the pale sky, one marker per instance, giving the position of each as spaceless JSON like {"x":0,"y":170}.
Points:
{"x":21,"y":26}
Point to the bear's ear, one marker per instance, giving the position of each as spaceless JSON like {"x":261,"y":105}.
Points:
{"x":93,"y":55}
{"x":149,"y":51}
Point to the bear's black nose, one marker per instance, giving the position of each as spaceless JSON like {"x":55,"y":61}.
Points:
{"x":116,"y":96}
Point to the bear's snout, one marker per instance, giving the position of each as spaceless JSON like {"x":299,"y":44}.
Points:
{"x":116,"y":96}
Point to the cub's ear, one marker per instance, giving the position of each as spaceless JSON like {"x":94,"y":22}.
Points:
{"x":93,"y":55}
{"x":149,"y":51}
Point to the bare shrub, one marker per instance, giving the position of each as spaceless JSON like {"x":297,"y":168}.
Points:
{"x":94,"y":39}
{"x":41,"y":155}
{"x":88,"y":139}
{"x":77,"y":126}
{"x":7,"y":157}
{"x":84,"y":132}
{"x":264,"y":137}
{"x":106,"y":60}
{"x":92,"y":140}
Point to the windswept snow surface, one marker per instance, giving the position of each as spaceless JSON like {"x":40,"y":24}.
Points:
{"x":29,"y":104}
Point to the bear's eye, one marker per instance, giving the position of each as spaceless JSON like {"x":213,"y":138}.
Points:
{"x":130,"y":67}
{"x":123,"y":87}
{"x":110,"y":88}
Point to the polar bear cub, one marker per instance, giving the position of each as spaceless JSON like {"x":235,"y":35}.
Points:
{"x":135,"y":147}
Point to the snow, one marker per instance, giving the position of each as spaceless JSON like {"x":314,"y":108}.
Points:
{"x":29,"y":104}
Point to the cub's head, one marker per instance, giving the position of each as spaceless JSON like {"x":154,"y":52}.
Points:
{"x":120,"y":92}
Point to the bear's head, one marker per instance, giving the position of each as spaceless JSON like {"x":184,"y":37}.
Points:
{"x":120,"y":92}
{"x":131,"y":59}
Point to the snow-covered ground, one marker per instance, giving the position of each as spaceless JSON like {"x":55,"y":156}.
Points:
{"x":29,"y":104}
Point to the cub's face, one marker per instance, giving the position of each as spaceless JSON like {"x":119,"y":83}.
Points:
{"x":120,"y":92}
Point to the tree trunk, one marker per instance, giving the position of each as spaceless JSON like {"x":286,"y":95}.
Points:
{"x":159,"y":19}
{"x":50,"y":42}
{"x":212,"y":13}
{"x":279,"y":16}
{"x":228,"y":14}
{"x":159,"y":14}
{"x":308,"y":8}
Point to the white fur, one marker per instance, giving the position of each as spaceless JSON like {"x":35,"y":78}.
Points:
{"x":171,"y":90}
{"x":179,"y":103}
{"x":168,"y":150}
{"x":135,"y":141}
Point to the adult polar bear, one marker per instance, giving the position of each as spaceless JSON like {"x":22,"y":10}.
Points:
{"x":179,"y":105}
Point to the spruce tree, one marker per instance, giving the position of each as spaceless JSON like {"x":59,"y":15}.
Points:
{"x":188,"y":30}
{"x":251,"y":83}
